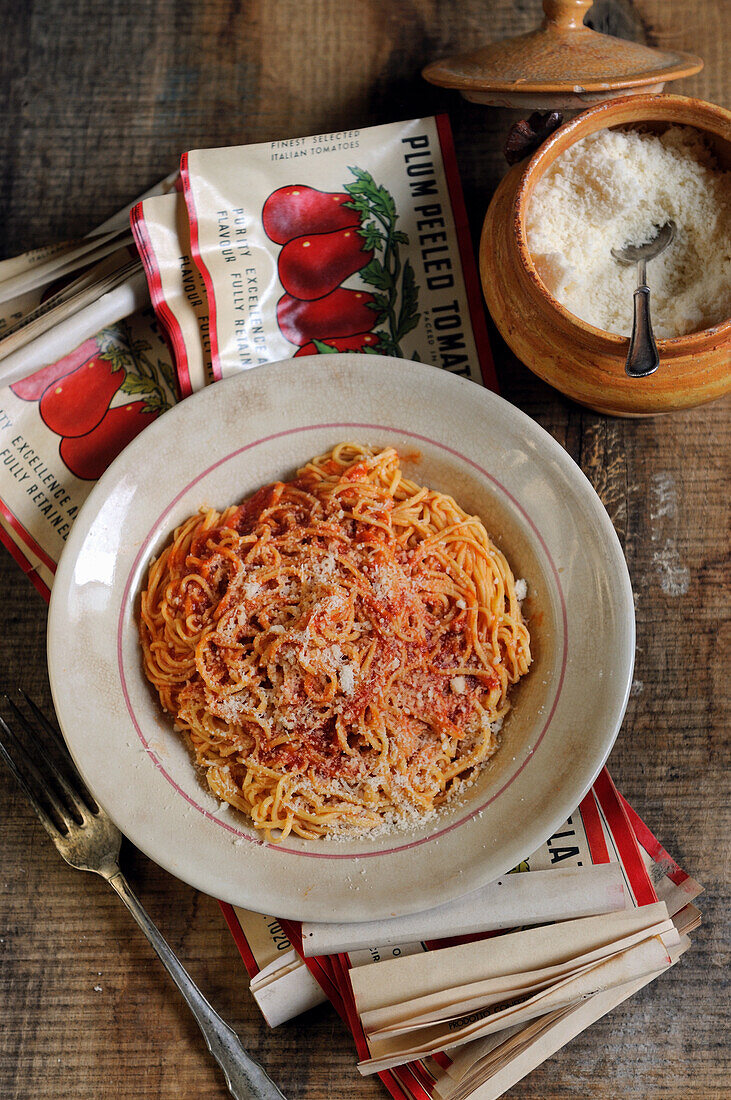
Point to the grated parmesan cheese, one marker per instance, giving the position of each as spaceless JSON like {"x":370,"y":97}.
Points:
{"x":614,"y":188}
{"x":521,"y":590}
{"x":347,"y":679}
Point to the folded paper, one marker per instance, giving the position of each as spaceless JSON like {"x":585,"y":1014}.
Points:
{"x":513,"y":900}
{"x":648,"y":957}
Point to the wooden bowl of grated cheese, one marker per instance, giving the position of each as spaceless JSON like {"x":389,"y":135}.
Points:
{"x":560,"y":302}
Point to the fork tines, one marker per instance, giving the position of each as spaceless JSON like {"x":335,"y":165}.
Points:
{"x":36,"y":754}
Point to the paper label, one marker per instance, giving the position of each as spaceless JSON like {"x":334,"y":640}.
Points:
{"x":266,"y":938}
{"x":61,"y":427}
{"x":337,"y":242}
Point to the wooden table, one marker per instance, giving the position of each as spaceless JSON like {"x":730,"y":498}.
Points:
{"x":100,"y":99}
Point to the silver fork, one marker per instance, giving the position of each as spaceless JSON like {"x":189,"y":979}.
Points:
{"x":88,"y":840}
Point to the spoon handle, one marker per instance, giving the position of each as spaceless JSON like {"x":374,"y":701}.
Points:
{"x":642,"y":358}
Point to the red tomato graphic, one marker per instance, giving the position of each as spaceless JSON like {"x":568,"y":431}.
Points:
{"x":87,"y":456}
{"x":31,"y":388}
{"x":313,"y":266}
{"x":291,"y":211}
{"x":341,"y":343}
{"x":76,"y":403}
{"x":342,"y":313}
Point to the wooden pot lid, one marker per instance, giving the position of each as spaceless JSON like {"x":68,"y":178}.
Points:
{"x":560,"y":64}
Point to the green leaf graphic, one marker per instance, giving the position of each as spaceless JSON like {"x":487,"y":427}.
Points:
{"x":323,"y":348}
{"x":374,"y":275}
{"x":396,"y":300}
{"x":132,"y":384}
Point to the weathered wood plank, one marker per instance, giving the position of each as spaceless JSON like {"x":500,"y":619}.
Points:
{"x":101,"y":97}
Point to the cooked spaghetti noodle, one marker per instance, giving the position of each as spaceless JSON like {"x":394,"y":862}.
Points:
{"x":338,"y":648}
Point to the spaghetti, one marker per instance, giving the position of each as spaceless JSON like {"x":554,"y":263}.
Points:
{"x":338,"y":648}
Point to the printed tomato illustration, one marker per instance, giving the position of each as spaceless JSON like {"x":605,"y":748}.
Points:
{"x":76,"y":403}
{"x":87,"y":456}
{"x":314,"y":265}
{"x":31,"y":388}
{"x":296,"y":210}
{"x":339,"y":343}
{"x":342,"y":313}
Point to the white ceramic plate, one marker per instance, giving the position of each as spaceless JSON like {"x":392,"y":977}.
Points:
{"x":216,"y":448}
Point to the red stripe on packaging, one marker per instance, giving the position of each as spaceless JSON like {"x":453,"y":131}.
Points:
{"x":242,"y":943}
{"x":164,"y":314}
{"x":198,"y":260}
{"x":625,"y":839}
{"x":652,"y":845}
{"x":593,"y":829}
{"x":28,"y":568}
{"x":469,"y":267}
{"x":26,"y":537}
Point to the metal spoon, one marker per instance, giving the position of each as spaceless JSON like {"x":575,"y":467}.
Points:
{"x":643,"y":358}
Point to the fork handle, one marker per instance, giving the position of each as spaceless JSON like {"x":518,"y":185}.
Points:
{"x":245,"y":1078}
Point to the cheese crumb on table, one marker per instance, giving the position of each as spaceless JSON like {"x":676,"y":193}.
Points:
{"x":614,"y":188}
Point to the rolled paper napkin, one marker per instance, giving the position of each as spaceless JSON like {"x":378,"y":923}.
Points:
{"x":70,"y":299}
{"x":285,"y":988}
{"x":102,"y":285}
{"x":511,"y":901}
{"x":37,"y":268}
{"x":122,"y":301}
{"x":23,"y":278}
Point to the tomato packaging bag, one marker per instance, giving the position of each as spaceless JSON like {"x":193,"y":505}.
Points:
{"x":64,"y":423}
{"x":353,"y":241}
{"x":160,"y":228}
{"x":62,"y":426}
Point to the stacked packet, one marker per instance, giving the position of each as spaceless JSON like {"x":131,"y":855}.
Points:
{"x":354,"y":242}
{"x":371,"y":221}
{"x":52,"y":299}
{"x":466,"y":999}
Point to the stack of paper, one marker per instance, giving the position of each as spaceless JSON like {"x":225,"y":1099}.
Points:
{"x":438,"y":1009}
{"x":53,"y":299}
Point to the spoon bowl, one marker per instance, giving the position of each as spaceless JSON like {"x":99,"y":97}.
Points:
{"x":636,"y":253}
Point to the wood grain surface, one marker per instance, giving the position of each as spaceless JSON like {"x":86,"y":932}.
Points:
{"x":100,"y":98}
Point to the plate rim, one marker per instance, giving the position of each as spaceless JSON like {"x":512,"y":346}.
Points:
{"x":585,"y":492}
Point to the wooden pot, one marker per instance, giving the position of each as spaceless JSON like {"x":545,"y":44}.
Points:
{"x":584,"y":362}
